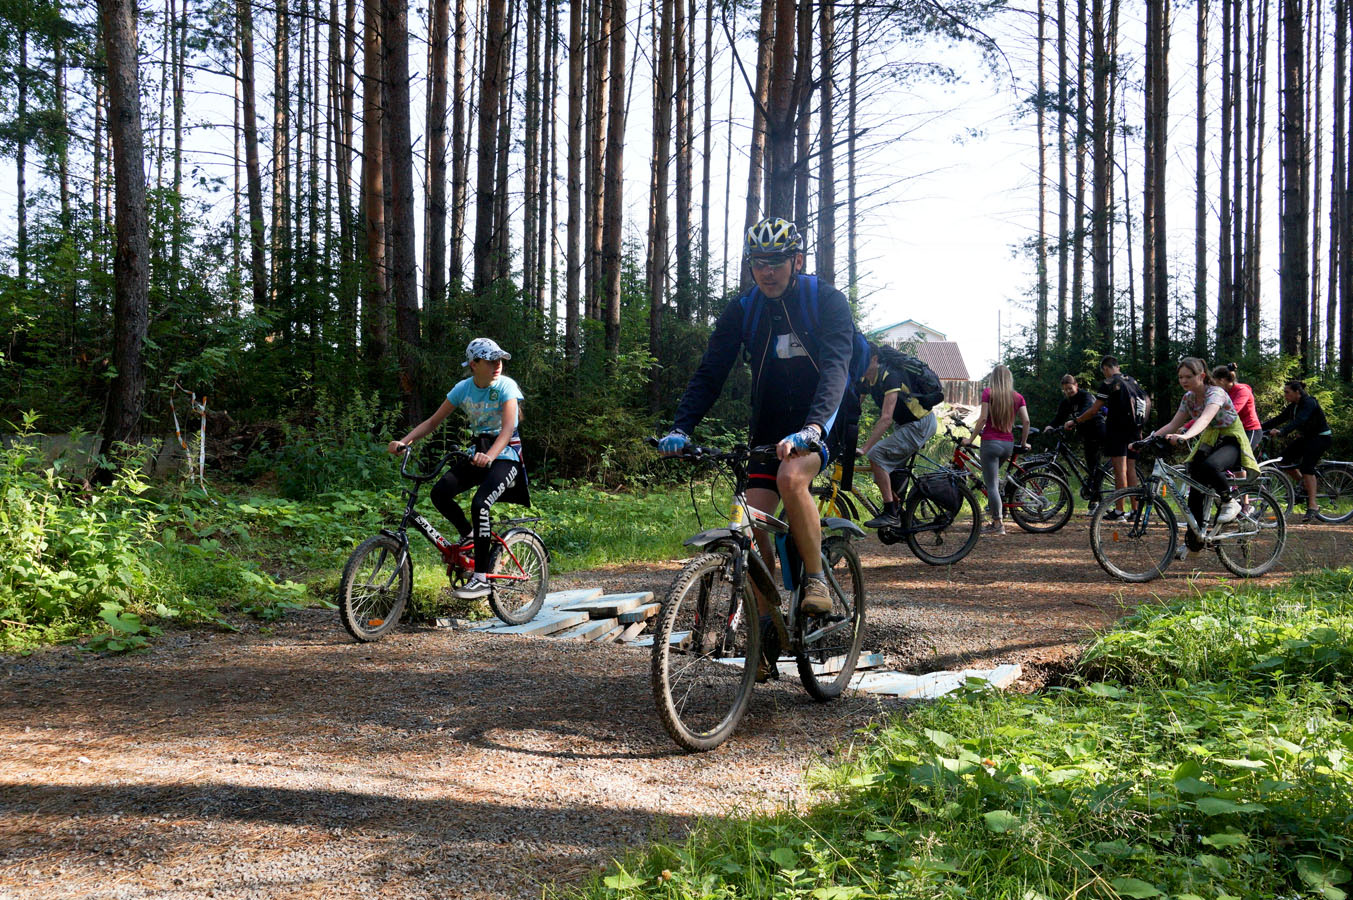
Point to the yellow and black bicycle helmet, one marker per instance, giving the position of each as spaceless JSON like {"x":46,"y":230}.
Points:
{"x":772,"y":237}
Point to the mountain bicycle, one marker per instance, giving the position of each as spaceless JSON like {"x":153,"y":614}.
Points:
{"x":938,"y":529}
{"x":1063,"y":460}
{"x":1334,"y":491}
{"x":1039,"y":501}
{"x":707,"y":647}
{"x":1141,"y":545}
{"x":378,"y":577}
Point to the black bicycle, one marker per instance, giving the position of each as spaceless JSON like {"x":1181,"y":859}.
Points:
{"x":707,"y":649}
{"x":378,"y":577}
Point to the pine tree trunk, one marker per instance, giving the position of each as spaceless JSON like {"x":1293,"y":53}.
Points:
{"x":1083,"y":64}
{"x":1102,"y":176}
{"x":1314,"y":120}
{"x":663,"y":34}
{"x":502,"y":231}
{"x":375,"y":309}
{"x":1200,"y":198}
{"x":252,"y":172}
{"x":1338,"y":184}
{"x":459,"y":156}
{"x":598,"y":120}
{"x":403,"y":265}
{"x":434,"y":213}
{"x":756,"y":162}
{"x":1160,"y":147}
{"x":803,"y":69}
{"x":780,"y":115}
{"x":131,"y":275}
{"x":281,"y":152}
{"x":1063,"y":194}
{"x":613,"y":211}
{"x":175,"y":204}
{"x":826,"y":203}
{"x":1041,"y":240}
{"x":531,"y":177}
{"x":682,"y":235}
{"x":728,"y":166}
{"x":490,"y":93}
{"x":852,"y":133}
{"x":1227,"y":330}
{"x":545,"y":193}
{"x":1292,"y":302}
{"x":573,"y":257}
{"x":704,"y":288}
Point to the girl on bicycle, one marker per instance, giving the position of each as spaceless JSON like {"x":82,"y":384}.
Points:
{"x":493,"y":403}
{"x":1222,"y":442}
{"x":996,"y":426}
{"x":1303,"y":415}
{"x":1242,"y":398}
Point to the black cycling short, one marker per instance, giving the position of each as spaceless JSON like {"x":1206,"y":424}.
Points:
{"x":1116,"y":441}
{"x":1305,"y":452}
{"x":771,"y":429}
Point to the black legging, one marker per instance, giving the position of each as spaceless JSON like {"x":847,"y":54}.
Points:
{"x":494,"y":481}
{"x":1209,"y":466}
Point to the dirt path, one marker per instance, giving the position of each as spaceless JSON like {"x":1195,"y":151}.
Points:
{"x":441,"y":764}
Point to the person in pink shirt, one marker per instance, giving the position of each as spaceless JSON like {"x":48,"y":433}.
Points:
{"x":1002,"y":405}
{"x":1243,"y":400}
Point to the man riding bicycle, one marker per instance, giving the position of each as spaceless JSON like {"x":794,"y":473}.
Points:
{"x":797,"y":335}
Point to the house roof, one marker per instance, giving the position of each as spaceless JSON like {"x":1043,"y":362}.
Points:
{"x":945,"y":358}
{"x":878,"y":331}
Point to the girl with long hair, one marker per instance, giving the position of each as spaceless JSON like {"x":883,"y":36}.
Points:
{"x":1001,"y":405}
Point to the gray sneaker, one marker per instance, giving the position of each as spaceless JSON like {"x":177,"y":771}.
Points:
{"x":1229,"y":510}
{"x":817,"y":597}
{"x":885,"y":519}
{"x":478,"y":586}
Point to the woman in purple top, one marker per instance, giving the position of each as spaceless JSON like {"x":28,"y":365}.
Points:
{"x":995,"y":425}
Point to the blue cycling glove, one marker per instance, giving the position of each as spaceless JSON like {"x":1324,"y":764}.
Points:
{"x":675,"y":441}
{"x":806,"y":439}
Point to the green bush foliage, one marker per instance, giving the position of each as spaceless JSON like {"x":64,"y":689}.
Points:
{"x":1221,"y":768}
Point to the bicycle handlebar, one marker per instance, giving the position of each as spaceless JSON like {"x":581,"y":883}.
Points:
{"x":421,"y":477}
{"x":740,"y":453}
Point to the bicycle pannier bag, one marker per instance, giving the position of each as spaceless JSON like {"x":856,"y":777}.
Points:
{"x":941,"y":488}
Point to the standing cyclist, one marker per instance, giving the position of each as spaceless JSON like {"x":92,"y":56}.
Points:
{"x":797,"y":335}
{"x":1126,"y":402}
{"x":1091,"y":431}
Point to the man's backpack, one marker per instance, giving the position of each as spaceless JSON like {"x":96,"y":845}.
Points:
{"x":753,"y":302}
{"x":923,"y":384}
{"x":1138,"y":402}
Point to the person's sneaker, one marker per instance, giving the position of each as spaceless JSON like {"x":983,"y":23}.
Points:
{"x":1114,"y":515}
{"x":885,"y":519}
{"x":478,"y":586}
{"x":1185,"y":552}
{"x":994,"y":528}
{"x":1311,"y":516}
{"x":817,"y":597}
{"x":1229,"y":510}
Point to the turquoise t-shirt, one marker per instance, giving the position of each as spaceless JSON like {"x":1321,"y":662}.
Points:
{"x":484,"y":406}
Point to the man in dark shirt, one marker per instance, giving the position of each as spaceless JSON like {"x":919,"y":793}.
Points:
{"x":1121,"y":428}
{"x":912,"y":425}
{"x":800,"y":364}
{"x":1091,"y":432}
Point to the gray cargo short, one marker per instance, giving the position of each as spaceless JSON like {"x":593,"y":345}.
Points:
{"x":893,"y":451}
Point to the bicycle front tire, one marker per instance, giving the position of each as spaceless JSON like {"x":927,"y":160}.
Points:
{"x":1253,"y":542}
{"x":826,"y":666}
{"x":1334,"y":493}
{"x":939,"y":546}
{"x":1137,"y":548}
{"x":705,"y":653}
{"x":1040,"y":502}
{"x":372,"y":592}
{"x":518,"y":598}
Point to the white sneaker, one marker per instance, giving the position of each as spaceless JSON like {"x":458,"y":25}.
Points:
{"x":478,"y":586}
{"x":1229,"y":510}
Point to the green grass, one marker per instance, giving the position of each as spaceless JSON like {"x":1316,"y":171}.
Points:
{"x":1204,"y":751}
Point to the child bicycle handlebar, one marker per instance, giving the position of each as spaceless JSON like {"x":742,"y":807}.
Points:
{"x":423,"y":477}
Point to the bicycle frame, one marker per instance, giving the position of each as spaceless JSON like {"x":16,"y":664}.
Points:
{"x":1170,"y":480}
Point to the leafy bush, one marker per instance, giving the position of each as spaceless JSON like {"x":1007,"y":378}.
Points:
{"x":345,"y":449}
{"x":1236,"y":786}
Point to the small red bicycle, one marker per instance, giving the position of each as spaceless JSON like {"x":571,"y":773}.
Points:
{"x":378,"y":577}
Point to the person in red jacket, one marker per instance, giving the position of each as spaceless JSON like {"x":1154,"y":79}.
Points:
{"x":1242,"y":397}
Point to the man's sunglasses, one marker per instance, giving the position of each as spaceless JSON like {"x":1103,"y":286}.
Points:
{"x":768,"y":262}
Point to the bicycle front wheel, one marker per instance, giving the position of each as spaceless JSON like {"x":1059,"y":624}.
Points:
{"x":1140,"y":546}
{"x":1252,"y":543}
{"x":936,"y":535}
{"x":831,"y":644}
{"x":521,"y":579}
{"x":374,"y":588}
{"x":1334,"y":493}
{"x":705,"y":653}
{"x":1040,"y":502}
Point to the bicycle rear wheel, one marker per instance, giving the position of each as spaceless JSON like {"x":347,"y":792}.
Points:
{"x":374,"y":588}
{"x":1039,"y":502}
{"x":524,"y":569}
{"x":1252,"y":543}
{"x":1334,"y":493}
{"x":705,"y":653}
{"x":831,"y":644}
{"x":936,"y":535}
{"x":1139,"y":547}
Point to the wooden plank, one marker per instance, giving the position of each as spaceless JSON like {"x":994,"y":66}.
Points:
{"x":547,"y":622}
{"x":631,"y":631}
{"x":558,"y":599}
{"x":588,"y":630}
{"x":608,"y":606}
{"x":639,"y":614}
{"x":677,"y":638}
{"x":609,"y":636}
